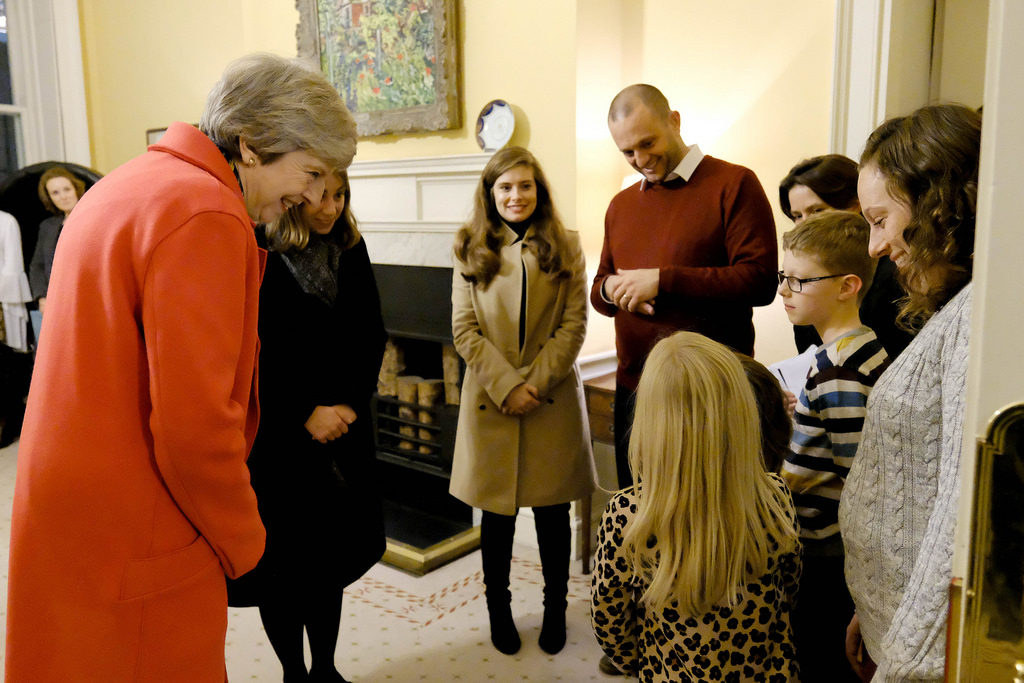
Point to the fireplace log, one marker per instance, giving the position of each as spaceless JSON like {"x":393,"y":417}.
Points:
{"x":450,"y":371}
{"x":390,"y":367}
{"x":407,"y":394}
{"x":428,"y":392}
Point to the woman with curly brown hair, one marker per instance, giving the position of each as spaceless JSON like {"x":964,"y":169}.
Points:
{"x":519,"y":315}
{"x":918,"y":187}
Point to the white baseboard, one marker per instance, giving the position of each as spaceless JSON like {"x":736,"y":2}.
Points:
{"x":597,"y":364}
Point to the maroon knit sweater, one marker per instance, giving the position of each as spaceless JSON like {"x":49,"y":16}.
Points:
{"x":713,"y":237}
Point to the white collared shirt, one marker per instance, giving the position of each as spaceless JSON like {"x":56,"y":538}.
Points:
{"x":684,"y":169}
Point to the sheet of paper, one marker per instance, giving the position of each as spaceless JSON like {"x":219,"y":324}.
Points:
{"x":792,"y":372}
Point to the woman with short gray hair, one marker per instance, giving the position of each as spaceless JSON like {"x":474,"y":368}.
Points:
{"x":133,"y":500}
{"x":276,"y":106}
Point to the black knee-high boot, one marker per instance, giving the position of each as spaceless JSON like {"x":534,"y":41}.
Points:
{"x":496,"y":532}
{"x":553,"y":539}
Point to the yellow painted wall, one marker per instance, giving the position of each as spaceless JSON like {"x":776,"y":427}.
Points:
{"x":150,"y":62}
{"x":751,"y":80}
{"x":962,"y":53}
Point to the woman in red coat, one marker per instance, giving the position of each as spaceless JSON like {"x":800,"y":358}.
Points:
{"x":132,"y":499}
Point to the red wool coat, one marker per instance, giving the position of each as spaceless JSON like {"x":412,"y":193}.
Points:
{"x":132,"y":499}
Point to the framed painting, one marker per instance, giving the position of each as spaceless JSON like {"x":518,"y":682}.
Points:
{"x":395,"y":62}
{"x":153,"y":135}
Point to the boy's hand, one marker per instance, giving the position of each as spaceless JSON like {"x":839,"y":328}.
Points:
{"x":790,"y":402}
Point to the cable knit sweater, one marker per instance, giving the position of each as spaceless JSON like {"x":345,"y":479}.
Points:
{"x":898,"y":510}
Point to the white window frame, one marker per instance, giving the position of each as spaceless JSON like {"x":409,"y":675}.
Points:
{"x":47,"y":79}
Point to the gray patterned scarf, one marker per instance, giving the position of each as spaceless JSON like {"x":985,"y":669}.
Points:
{"x":315,"y":268}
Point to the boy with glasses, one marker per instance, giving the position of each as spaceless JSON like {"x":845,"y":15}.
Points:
{"x":826,"y":271}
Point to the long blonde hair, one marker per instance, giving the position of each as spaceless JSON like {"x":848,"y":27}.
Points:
{"x":706,"y":506}
{"x":291,"y":232}
{"x":478,"y":243}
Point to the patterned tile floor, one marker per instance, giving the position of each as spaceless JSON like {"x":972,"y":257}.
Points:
{"x":398,"y":627}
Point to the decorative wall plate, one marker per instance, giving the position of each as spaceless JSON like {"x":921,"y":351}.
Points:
{"x":495,"y":125}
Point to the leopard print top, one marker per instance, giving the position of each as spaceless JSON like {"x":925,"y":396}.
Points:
{"x":750,"y":642}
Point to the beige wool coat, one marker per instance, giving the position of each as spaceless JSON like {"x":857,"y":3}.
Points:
{"x":504,"y":462}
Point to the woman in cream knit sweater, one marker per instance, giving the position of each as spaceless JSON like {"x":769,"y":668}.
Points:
{"x":917,"y":189}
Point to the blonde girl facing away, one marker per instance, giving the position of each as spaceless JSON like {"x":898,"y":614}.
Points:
{"x":698,"y":563}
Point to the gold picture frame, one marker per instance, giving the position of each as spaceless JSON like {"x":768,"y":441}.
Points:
{"x":395,"y":62}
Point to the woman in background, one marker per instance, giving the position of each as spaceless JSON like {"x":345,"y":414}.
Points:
{"x":59,"y":191}
{"x":918,"y":189}
{"x":519,"y":315}
{"x":830,"y":182}
{"x":698,"y":564}
{"x":322,"y":340}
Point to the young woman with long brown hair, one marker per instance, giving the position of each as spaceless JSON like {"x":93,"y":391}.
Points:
{"x":519,"y":315}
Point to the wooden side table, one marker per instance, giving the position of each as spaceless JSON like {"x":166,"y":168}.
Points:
{"x":600,"y":393}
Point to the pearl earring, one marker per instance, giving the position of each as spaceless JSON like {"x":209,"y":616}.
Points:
{"x":250,"y":162}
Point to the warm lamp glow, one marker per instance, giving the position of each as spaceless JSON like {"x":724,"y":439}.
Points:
{"x":630,"y":180}
{"x":591,"y":124}
{"x":706,"y":128}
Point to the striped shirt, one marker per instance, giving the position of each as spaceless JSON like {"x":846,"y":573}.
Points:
{"x":827,"y":425}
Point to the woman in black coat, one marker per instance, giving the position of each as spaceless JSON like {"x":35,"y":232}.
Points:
{"x":312,"y":465}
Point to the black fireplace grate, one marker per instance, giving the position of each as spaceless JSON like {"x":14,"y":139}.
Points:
{"x":432,"y":454}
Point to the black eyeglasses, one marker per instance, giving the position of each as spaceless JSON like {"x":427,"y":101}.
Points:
{"x":796,"y":284}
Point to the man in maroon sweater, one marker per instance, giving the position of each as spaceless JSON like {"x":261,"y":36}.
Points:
{"x":692,"y":246}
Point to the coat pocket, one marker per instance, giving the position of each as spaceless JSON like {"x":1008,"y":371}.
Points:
{"x":154,"y":575}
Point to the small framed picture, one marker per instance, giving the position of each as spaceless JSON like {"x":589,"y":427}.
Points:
{"x":153,"y":135}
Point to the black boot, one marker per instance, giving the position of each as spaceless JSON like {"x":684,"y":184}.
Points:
{"x":552,"y":631}
{"x":504,"y":635}
{"x":553,"y":539}
{"x":496,"y":532}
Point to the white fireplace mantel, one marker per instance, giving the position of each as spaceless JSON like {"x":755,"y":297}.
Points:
{"x":409,"y":209}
